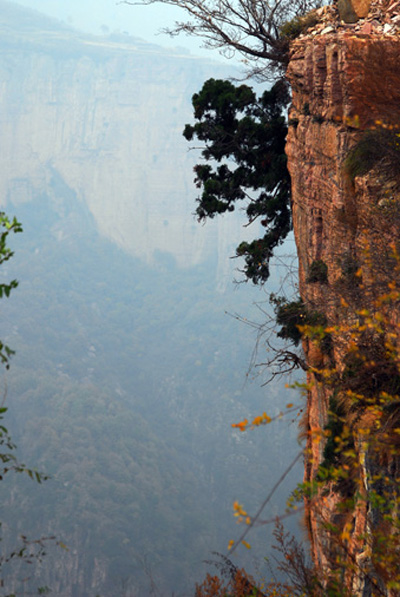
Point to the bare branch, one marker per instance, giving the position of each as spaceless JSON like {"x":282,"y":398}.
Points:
{"x":247,"y":27}
{"x":265,"y":502}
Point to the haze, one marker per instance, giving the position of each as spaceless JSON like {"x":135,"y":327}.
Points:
{"x":102,"y":16}
{"x":127,"y":374}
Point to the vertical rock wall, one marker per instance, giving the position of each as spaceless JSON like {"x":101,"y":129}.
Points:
{"x":98,"y":122}
{"x":343,"y":82}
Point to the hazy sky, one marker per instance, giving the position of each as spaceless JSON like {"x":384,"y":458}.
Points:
{"x":140,"y":21}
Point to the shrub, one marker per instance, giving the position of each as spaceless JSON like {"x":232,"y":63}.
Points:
{"x":292,"y":29}
{"x":375,"y":146}
{"x":230,"y":581}
{"x":334,"y":429}
{"x":349,"y":266}
{"x":292,"y":316}
{"x":338,"y":462}
{"x":370,"y":370}
{"x":289,"y":315}
{"x":318,"y":272}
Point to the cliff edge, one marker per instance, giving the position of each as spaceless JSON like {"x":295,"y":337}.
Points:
{"x":345,"y":80}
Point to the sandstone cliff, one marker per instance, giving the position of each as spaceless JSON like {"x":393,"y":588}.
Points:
{"x":345,"y":79}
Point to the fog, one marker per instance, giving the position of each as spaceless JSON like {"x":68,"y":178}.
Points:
{"x":105,"y":16}
{"x":131,"y":364}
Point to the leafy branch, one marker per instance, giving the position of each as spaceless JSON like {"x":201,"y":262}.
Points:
{"x":244,"y":149}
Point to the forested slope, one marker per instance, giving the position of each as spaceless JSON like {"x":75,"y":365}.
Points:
{"x":124,"y":386}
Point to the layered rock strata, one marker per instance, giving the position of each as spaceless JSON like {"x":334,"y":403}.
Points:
{"x":345,"y":81}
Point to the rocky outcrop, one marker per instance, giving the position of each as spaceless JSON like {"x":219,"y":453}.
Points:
{"x":345,"y":80}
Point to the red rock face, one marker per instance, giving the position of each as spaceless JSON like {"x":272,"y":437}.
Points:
{"x":342,"y":84}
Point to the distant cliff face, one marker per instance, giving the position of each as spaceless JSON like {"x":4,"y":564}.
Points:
{"x":100,"y":120}
{"x":344,"y":79}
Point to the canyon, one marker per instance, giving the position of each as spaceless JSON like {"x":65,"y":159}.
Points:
{"x":101,"y":119}
{"x":83,"y":125}
{"x":125,"y":378}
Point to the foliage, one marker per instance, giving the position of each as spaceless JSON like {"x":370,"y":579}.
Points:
{"x":349,"y":266}
{"x":295,"y":564}
{"x":236,"y":582}
{"x":318,"y":272}
{"x":245,"y":136}
{"x":251,"y":29}
{"x":117,"y":429}
{"x":7,"y":226}
{"x":361,"y":442}
{"x":8,"y":460}
{"x":297,"y":318}
{"x":290,"y":316}
{"x":298,"y":25}
{"x":376,"y":146}
{"x":27,"y":552}
{"x":291,"y":560}
{"x":333,"y":429}
{"x":30,"y":550}
{"x":360,"y":445}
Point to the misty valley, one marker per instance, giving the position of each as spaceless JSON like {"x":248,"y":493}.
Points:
{"x":130,"y":364}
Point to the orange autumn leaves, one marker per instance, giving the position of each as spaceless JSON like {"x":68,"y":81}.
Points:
{"x":240,"y":513}
{"x":263,"y":419}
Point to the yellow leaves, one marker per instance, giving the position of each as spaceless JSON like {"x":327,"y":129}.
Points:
{"x":240,"y":513}
{"x":242,"y":425}
{"x":384,"y":125}
{"x":257,"y":421}
{"x":346,"y":533}
{"x":389,"y":297}
{"x":331,"y":330}
{"x":364,"y":379}
{"x":353,"y":122}
{"x":263,"y":419}
{"x":238,"y":509}
{"x":318,"y":434}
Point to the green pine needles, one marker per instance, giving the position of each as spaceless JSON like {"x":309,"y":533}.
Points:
{"x":245,"y":161}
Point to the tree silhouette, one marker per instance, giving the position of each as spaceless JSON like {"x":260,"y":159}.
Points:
{"x":245,"y":158}
{"x":252,"y":29}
